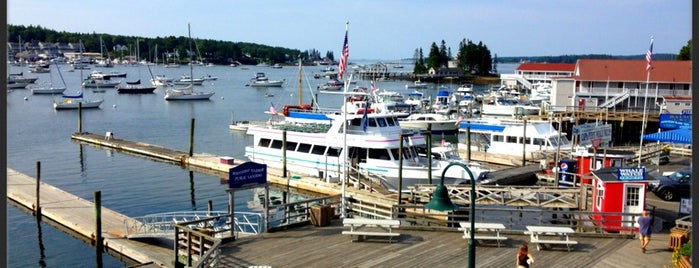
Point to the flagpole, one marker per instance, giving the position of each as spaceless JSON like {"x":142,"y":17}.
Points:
{"x":649,"y":58}
{"x":345,"y":166}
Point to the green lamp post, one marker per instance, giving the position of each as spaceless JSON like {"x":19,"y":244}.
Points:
{"x":440,"y":201}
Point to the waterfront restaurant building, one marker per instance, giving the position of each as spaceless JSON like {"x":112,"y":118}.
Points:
{"x":621,"y":84}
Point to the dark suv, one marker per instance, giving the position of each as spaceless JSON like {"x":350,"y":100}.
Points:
{"x":672,"y":187}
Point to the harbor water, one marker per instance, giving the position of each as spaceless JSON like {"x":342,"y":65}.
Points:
{"x":129,"y":184}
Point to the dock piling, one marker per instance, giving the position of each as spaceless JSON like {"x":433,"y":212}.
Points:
{"x":191,"y":138}
{"x":37,"y":210}
{"x":80,"y":117}
{"x":98,"y":229}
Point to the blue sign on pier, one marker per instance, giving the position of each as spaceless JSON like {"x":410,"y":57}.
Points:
{"x":247,"y":174}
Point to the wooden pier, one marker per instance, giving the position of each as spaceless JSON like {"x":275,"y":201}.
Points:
{"x":78,"y":215}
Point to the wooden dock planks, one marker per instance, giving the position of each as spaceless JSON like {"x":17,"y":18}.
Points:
{"x":78,"y":215}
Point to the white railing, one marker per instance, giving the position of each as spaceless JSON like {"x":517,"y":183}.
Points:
{"x":163,"y":224}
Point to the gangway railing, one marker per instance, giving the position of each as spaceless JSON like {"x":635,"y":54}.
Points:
{"x":163,"y":224}
{"x":616,"y":100}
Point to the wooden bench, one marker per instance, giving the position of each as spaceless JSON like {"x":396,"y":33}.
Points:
{"x":543,"y":235}
{"x":482,"y":229}
{"x":363,"y":228}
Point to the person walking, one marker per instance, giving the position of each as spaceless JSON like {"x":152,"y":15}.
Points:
{"x":524,"y":258}
{"x":645,"y":223}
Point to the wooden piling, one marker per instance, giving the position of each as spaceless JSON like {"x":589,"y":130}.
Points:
{"x":191,"y":138}
{"x":80,"y":117}
{"x":98,"y":229}
{"x":37,"y":210}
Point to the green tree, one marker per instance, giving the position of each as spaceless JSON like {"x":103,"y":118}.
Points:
{"x":686,"y":51}
{"x":434,"y":57}
{"x":419,"y":67}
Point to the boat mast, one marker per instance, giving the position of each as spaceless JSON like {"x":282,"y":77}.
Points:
{"x":300,"y":84}
{"x":191,"y":71}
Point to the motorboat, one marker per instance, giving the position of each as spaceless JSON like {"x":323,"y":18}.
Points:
{"x":100,"y":83}
{"x":187,"y":80}
{"x":331,"y":85}
{"x":441,"y":124}
{"x":161,"y":80}
{"x":508,"y":107}
{"x":417,"y":85}
{"x":261,"y":80}
{"x":507,"y":136}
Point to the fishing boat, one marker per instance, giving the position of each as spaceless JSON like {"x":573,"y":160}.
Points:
{"x":441,"y":124}
{"x":507,"y":136}
{"x":261,"y":80}
{"x":187,"y":93}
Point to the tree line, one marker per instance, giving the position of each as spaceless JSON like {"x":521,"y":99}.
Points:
{"x":472,"y":58}
{"x":214,"y":51}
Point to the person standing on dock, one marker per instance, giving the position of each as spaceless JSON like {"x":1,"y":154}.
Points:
{"x":645,"y":222}
{"x":524,"y":258}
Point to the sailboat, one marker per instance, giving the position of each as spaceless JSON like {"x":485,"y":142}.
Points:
{"x":187,"y":93}
{"x":48,"y":88}
{"x":136,"y":87}
{"x":76,"y":101}
{"x":16,"y":81}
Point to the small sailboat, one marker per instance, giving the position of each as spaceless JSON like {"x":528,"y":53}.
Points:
{"x":187,"y":93}
{"x":49,"y":88}
{"x":76,"y":101}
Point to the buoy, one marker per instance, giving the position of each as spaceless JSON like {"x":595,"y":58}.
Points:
{"x":221,"y":97}
{"x":25,"y":98}
{"x":114,"y":106}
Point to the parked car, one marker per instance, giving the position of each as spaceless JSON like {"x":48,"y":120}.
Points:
{"x":672,"y":187}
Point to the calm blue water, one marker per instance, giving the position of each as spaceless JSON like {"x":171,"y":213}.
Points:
{"x":129,"y":184}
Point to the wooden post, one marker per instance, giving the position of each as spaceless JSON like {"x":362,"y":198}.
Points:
{"x":98,"y":228}
{"x":191,"y":138}
{"x":37,"y":210}
{"x":80,"y":117}
{"x":429,"y":153}
{"x":284,"y":154}
{"x":524,"y":143}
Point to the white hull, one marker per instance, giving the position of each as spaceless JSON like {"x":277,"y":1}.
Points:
{"x":504,"y":137}
{"x":73,"y":104}
{"x":48,"y":90}
{"x":267,"y":84}
{"x":315,"y":149}
{"x":187,"y":94}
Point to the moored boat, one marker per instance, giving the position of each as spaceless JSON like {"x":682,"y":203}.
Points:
{"x":261,"y":80}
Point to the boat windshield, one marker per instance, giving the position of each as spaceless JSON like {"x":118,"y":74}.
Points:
{"x":554,"y":141}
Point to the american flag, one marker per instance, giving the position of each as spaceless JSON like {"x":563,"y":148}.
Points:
{"x":649,"y":55}
{"x":343,"y":58}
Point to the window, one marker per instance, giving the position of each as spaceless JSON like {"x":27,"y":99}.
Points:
{"x":539,"y":141}
{"x":511,"y":139}
{"x":391,"y":121}
{"x":632,"y":196}
{"x":600,"y":196}
{"x":304,"y":148}
{"x":498,"y":138}
{"x":318,"y":149}
{"x":372,"y":122}
{"x":528,"y":141}
{"x":276,"y":144}
{"x":334,"y":151}
{"x":379,"y":154}
{"x":291,"y":146}
{"x":264,"y":142}
{"x":381,"y":121}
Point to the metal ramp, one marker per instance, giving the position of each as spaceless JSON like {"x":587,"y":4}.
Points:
{"x":163,"y":224}
{"x":616,"y":100}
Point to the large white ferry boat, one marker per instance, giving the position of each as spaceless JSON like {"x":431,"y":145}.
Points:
{"x":316,"y":141}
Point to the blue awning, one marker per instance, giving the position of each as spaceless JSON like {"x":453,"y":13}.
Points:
{"x":681,"y":136}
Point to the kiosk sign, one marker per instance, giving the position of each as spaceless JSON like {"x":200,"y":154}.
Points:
{"x":631,"y":174}
{"x":247,"y":174}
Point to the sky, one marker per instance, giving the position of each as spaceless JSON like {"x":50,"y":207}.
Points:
{"x":384,"y":29}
